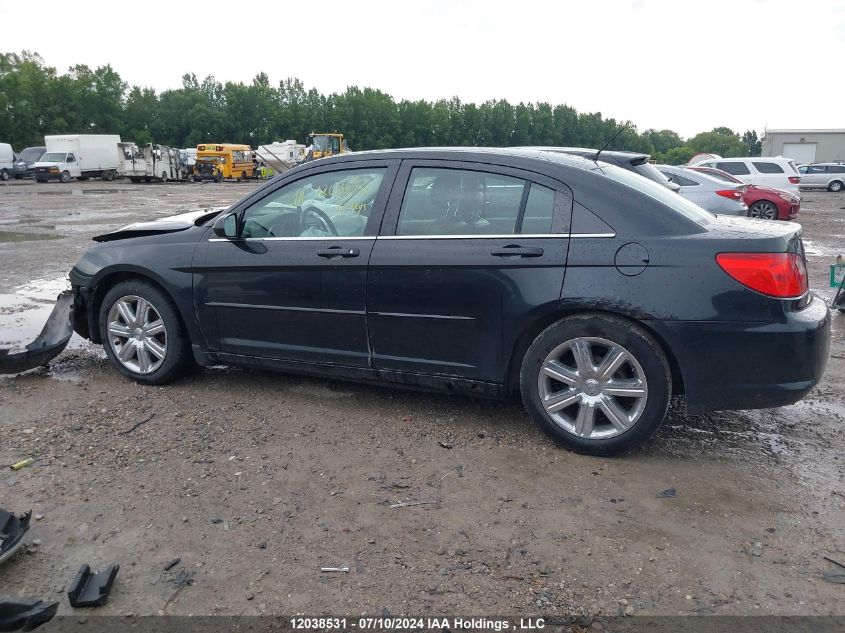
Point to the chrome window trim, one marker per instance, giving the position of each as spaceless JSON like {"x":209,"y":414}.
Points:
{"x":504,"y":236}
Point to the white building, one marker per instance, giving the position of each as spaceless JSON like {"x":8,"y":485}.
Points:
{"x":806,"y":146}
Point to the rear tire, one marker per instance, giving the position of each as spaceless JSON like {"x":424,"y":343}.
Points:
{"x":835,"y":186}
{"x":164,"y":176}
{"x":4,"y":175}
{"x":142,"y":333}
{"x":763,"y":210}
{"x":586,"y":410}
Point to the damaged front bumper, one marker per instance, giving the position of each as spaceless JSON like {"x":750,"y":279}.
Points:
{"x":49,"y":344}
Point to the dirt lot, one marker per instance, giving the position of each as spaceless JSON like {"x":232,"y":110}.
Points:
{"x":256,"y":480}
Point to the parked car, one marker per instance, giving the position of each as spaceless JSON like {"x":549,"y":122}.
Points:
{"x":830,"y":176}
{"x":763,"y":202}
{"x":7,"y":161}
{"x":632,"y":161}
{"x":709,"y":193}
{"x":778,"y":173}
{"x":23,"y":167}
{"x":595,"y":293}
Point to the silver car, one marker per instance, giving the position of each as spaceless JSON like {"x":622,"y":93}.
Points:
{"x":716,"y":196}
{"x":830,"y":176}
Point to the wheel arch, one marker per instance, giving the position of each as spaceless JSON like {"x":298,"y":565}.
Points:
{"x":109,"y":280}
{"x":528,"y":335}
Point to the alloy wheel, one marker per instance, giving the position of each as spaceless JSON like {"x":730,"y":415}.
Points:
{"x":592,"y":387}
{"x":764,"y":210}
{"x":137,"y":334}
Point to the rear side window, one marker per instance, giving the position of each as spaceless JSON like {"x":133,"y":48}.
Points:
{"x":538,"y":210}
{"x":463,"y":202}
{"x":737,"y":169}
{"x":816,"y":169}
{"x":767,"y":168}
{"x":837,"y":169}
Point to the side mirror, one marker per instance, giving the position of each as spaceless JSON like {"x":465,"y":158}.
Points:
{"x":226,"y":226}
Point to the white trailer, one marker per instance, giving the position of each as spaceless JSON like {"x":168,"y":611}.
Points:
{"x":80,"y":156}
{"x":282,"y":156}
{"x":150,"y":162}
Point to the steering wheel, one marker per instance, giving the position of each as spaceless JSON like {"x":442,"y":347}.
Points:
{"x":321,"y":217}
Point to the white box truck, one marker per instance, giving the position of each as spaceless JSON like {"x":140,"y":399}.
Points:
{"x":81,"y":156}
{"x":150,"y":162}
{"x":7,"y":161}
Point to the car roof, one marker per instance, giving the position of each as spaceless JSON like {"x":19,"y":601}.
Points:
{"x":500,"y":155}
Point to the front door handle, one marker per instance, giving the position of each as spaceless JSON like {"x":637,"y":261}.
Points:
{"x":515,"y":250}
{"x":338,"y":251}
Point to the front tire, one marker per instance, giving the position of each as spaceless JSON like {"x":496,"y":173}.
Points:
{"x":142,"y":334}
{"x":65,"y":177}
{"x":835,"y":186}
{"x":597,"y":384}
{"x":764,"y":210}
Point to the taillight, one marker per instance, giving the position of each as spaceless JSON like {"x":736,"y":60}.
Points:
{"x":733,"y":194}
{"x":781,"y":275}
{"x":794,"y":179}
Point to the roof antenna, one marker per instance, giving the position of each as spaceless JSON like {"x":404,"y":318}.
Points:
{"x":621,"y":129}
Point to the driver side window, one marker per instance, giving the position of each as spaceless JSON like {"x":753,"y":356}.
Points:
{"x":325,"y":205}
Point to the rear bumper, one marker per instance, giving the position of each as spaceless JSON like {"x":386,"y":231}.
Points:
{"x":728,"y":365}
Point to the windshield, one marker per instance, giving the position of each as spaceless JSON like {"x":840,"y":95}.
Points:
{"x":31,"y":154}
{"x":657,"y":192}
{"x":321,"y":143}
{"x":53,"y":157}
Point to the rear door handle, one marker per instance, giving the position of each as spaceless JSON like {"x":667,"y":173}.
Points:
{"x":338,"y":251}
{"x":515,"y":250}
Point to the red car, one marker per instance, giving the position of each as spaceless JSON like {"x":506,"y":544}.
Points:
{"x":763,"y":202}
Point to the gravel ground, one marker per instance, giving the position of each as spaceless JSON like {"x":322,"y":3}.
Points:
{"x":256,"y":480}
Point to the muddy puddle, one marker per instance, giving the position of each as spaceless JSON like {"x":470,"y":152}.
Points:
{"x":7,"y":237}
{"x":24,"y":312}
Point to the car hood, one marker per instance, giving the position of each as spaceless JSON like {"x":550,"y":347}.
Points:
{"x":170,"y":224}
{"x":40,"y":164}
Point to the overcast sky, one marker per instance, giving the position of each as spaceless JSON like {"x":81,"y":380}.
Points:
{"x":686,"y":66}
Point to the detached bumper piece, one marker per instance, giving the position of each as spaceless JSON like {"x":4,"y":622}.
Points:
{"x":91,"y":589}
{"x":49,"y":344}
{"x":24,"y":614}
{"x":12,"y":530}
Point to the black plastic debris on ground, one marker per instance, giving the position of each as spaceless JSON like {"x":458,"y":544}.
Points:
{"x":183,"y":578}
{"x":12,"y":530}
{"x":24,"y":614}
{"x":91,"y":589}
{"x":669,"y":492}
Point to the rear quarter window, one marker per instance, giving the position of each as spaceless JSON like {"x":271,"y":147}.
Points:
{"x":767,"y":168}
{"x":837,"y":169}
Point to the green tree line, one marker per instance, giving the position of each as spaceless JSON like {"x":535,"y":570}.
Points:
{"x":36,"y":100}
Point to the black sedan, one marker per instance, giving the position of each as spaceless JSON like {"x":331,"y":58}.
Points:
{"x":594,"y":293}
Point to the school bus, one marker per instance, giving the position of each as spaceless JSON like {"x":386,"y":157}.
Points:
{"x":226,"y":159}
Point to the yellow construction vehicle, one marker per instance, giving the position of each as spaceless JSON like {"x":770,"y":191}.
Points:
{"x":326,"y":144}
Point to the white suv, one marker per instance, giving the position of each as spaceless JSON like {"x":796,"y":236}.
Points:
{"x":830,"y":176}
{"x":776,"y":172}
